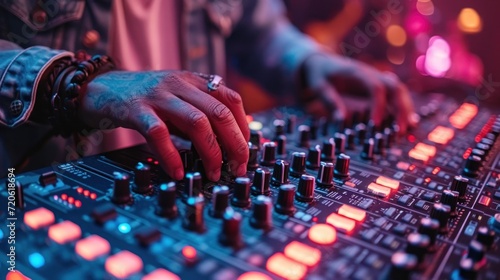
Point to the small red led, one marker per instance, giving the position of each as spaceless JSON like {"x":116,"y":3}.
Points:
{"x":86,"y":192}
{"x":189,"y":252}
{"x":64,"y":196}
{"x":436,"y":170}
{"x":93,"y":196}
{"x":78,"y":203}
{"x":411,"y":168}
{"x":79,"y":190}
{"x":71,"y":200}
{"x":315,"y":219}
{"x":156,"y":162}
{"x":149,"y":159}
{"x":411,"y":138}
{"x":427,"y":180}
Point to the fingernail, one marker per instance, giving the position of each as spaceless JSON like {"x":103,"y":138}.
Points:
{"x":242,"y":169}
{"x":179,"y":174}
{"x":215,"y":175}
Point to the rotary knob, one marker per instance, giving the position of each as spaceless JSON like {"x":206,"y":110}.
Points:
{"x":193,"y":218}
{"x":255,"y":138}
{"x":284,"y":204}
{"x":305,"y":190}
{"x":298,"y":164}
{"x":313,"y":157}
{"x":368,"y":149}
{"x":429,"y":227}
{"x":187,"y":160}
{"x":121,"y":189}
{"x":328,"y":150}
{"x":325,"y":175}
{"x":402,"y":265}
{"x":220,"y":201}
{"x":350,"y":136}
{"x":280,"y":173}
{"x":460,"y":184}
{"x":279,"y":128}
{"x":241,"y":192}
{"x":253,"y":162}
{"x":290,"y":124}
{"x":142,"y":178}
{"x":339,"y":139}
{"x":281,"y":145}
{"x":231,"y":229}
{"x":166,"y":201}
{"x":441,"y":213}
{"x":379,"y":144}
{"x":261,"y":179}
{"x":450,"y":198}
{"x":192,"y":184}
{"x":304,"y":135}
{"x":485,"y":236}
{"x":269,"y":154}
{"x":476,"y":251}
{"x":342,"y":167}
{"x":360,"y":131}
{"x":417,"y":245}
{"x":261,"y":214}
{"x":472,"y":166}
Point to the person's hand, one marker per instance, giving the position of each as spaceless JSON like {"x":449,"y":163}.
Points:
{"x":327,"y":76}
{"x":163,"y":102}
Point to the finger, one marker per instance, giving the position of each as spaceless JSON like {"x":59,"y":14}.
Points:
{"x":228,"y":97}
{"x":147,"y":122}
{"x":401,"y":100}
{"x":225,"y":126}
{"x":329,"y":97}
{"x":194,"y":123}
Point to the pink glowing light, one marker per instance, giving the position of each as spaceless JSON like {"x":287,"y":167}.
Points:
{"x":437,"y":58}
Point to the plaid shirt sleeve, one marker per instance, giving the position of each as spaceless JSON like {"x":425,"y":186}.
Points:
{"x":20,"y":74}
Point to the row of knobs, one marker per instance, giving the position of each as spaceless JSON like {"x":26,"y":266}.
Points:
{"x":481,"y":151}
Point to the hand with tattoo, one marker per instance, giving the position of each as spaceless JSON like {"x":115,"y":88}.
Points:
{"x":159,"y":103}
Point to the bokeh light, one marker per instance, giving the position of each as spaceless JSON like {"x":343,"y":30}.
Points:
{"x":469,"y":21}
{"x":396,"y":35}
{"x":425,"y":7}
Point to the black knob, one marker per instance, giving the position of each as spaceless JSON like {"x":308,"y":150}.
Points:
{"x":253,"y":155}
{"x":18,"y":195}
{"x":255,"y":138}
{"x":468,"y":269}
{"x":476,"y":251}
{"x":441,"y":213}
{"x":166,"y":201}
{"x":193,"y":219}
{"x":325,"y":175}
{"x":304,"y":135}
{"x":281,"y":147}
{"x":220,"y":201}
{"x":450,"y":198}
{"x":479,"y":153}
{"x":261,"y":179}
{"x":371,"y":128}
{"x":342,"y":167}
{"x":417,"y":245}
{"x":313,"y":157}
{"x":279,"y":128}
{"x":121,"y":189}
{"x":261,"y":214}
{"x":339,"y":139}
{"x":350,"y":136}
{"x":389,"y":137}
{"x":429,"y":227}
{"x":192,"y":184}
{"x":472,"y":166}
{"x":460,"y":184}
{"x":290,"y":124}
{"x":298,"y":164}
{"x":280,"y":173}
{"x":485,"y":236}
{"x":402,"y":265}
{"x":379,"y":144}
{"x":360,"y":130}
{"x":142,"y":178}
{"x":305,"y":190}
{"x":368,"y":149}
{"x":241,"y":192}
{"x":187,"y":159}
{"x":230,"y":234}
{"x":313,"y":128}
{"x":200,"y":169}
{"x":483,"y":147}
{"x":328,"y":150}
{"x":284,"y":204}
{"x":269,"y":154}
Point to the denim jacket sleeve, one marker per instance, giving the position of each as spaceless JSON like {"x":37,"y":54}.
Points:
{"x":265,"y":46}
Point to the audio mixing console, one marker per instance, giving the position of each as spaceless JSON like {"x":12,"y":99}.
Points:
{"x":320,"y":201}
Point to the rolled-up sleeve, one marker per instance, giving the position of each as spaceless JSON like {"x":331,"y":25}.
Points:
{"x":20,"y":74}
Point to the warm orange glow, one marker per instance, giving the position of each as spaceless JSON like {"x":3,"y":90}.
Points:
{"x":284,"y":267}
{"x":484,"y":200}
{"x":341,"y":222}
{"x":416,"y":154}
{"x":395,"y":35}
{"x":441,"y":135}
{"x":65,"y":232}
{"x":436,"y":170}
{"x":123,"y":264}
{"x":469,"y":21}
{"x":427,"y":180}
{"x":379,"y":190}
{"x":352,"y":212}
{"x":86,"y":192}
{"x":161,"y":274}
{"x":322,"y":234}
{"x":249,"y":118}
{"x":463,"y":115}
{"x":71,"y":200}
{"x":302,"y":253}
{"x":254,"y":275}
{"x":92,"y":247}
{"x":79,"y":190}
{"x":16,"y":275}
{"x":78,"y":203}
{"x":93,"y":196}
{"x":425,"y":149}
{"x":425,"y":8}
{"x":38,"y":218}
{"x":189,"y":252}
{"x":64,"y":196}
{"x":387,"y":182}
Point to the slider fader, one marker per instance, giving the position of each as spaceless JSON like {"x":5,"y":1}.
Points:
{"x":321,"y":200}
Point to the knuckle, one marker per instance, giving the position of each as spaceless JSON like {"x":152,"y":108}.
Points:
{"x":198,"y":120}
{"x":155,"y":130}
{"x":221,"y":113}
{"x":174,"y":79}
{"x":233,"y":97}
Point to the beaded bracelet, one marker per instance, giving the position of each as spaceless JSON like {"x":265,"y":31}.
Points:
{"x":64,"y":99}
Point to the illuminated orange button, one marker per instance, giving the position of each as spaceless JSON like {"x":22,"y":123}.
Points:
{"x":16,"y":275}
{"x":253,"y":275}
{"x":38,"y":218}
{"x":284,"y":267}
{"x":302,"y":253}
{"x":472,"y":108}
{"x":123,"y":264}
{"x":484,"y":200}
{"x":352,"y":212}
{"x":323,"y":234}
{"x":388,"y":182}
{"x":379,"y":190}
{"x":341,"y":222}
{"x":189,"y":252}
{"x":161,"y":274}
{"x":416,"y":154}
{"x":65,"y":232}
{"x":92,"y":247}
{"x":426,"y":149}
{"x":441,"y":135}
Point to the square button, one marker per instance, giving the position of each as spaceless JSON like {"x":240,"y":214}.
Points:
{"x":92,"y":247}
{"x":39,"y":218}
{"x":124,"y":264}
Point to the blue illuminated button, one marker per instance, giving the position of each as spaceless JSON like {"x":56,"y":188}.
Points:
{"x":36,"y":260}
